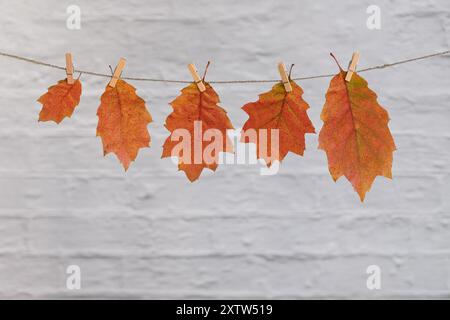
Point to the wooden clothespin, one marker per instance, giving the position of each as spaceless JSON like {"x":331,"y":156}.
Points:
{"x":69,"y":68}
{"x":117,"y":72}
{"x":196,"y":77}
{"x":352,"y":66}
{"x":284,"y":77}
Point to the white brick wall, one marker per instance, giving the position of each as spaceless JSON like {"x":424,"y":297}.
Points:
{"x":149,"y":233}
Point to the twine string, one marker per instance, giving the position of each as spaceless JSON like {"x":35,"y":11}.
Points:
{"x":98,"y":74}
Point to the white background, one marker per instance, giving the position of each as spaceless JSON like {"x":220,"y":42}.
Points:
{"x":150,"y":233}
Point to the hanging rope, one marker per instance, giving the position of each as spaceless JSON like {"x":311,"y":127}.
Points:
{"x":97,"y":74}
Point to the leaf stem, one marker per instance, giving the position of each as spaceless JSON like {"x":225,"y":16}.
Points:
{"x":337,"y":62}
{"x":290,"y":71}
{"x":206,"y":70}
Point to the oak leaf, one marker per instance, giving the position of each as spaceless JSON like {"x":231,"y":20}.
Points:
{"x":280,"y":121}
{"x":200,"y":123}
{"x":122,"y":122}
{"x":355,"y":134}
{"x":60,"y":101}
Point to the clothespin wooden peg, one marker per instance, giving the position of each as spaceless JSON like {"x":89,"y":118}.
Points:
{"x":69,"y":68}
{"x":117,"y":72}
{"x":352,"y":66}
{"x":284,"y":77}
{"x":196,"y":77}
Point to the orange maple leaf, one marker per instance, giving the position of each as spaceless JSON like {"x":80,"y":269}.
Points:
{"x":284,"y":112}
{"x":60,"y":101}
{"x":355,"y":134}
{"x":122,"y":122}
{"x":201,"y":124}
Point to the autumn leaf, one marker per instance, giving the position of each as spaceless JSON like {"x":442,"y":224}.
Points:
{"x":122,"y":122}
{"x":355,"y":134}
{"x":282,"y":111}
{"x":200,"y":123}
{"x":60,"y":101}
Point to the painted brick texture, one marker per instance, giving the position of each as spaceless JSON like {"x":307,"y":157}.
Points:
{"x":149,"y":233}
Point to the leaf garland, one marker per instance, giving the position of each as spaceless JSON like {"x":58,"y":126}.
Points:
{"x":355,"y":134}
